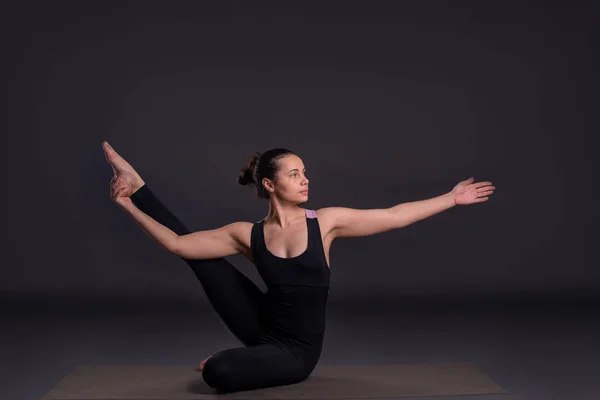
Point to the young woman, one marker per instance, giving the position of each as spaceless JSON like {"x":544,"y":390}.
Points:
{"x":282,"y":330}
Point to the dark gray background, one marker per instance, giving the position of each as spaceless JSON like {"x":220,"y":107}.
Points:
{"x":386,"y":102}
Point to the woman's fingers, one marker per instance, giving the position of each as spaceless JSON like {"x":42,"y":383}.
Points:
{"x":118,"y":188}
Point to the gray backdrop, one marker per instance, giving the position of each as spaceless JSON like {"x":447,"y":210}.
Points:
{"x":386,"y":102}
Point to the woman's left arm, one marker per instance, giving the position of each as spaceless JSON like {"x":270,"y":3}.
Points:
{"x":349,"y":222}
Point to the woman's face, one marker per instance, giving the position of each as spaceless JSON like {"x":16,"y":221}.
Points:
{"x":292,"y":183}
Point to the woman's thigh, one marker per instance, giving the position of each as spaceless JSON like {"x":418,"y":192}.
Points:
{"x":253,"y":367}
{"x":235,"y":298}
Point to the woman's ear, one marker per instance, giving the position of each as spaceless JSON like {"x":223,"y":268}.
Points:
{"x":268,"y":185}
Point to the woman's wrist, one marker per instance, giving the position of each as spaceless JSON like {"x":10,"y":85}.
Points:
{"x":126,"y":204}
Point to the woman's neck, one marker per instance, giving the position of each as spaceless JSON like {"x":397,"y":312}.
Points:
{"x":283,"y":214}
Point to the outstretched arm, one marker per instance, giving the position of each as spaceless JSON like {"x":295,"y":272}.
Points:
{"x":215,"y":243}
{"x":349,"y":222}
{"x":208,"y":244}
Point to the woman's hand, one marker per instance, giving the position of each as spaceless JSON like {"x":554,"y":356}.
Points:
{"x":121,"y":191}
{"x":467,"y":192}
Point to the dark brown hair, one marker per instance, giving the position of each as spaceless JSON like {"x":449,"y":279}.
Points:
{"x":260,"y":166}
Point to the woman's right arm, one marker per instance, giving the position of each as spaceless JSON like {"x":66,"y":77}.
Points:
{"x":216,"y":243}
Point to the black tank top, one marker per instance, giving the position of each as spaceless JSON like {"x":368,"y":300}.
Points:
{"x":298,"y":288}
{"x":308,"y":269}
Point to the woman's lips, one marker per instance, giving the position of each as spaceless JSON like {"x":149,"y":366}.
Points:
{"x":304,"y":192}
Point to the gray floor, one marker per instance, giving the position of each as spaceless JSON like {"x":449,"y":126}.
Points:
{"x":535,"y":350}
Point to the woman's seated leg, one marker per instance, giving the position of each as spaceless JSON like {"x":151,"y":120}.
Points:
{"x":253,"y":367}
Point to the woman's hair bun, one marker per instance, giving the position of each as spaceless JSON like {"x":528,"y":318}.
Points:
{"x":246,"y":176}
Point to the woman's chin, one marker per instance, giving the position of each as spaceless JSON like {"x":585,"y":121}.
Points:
{"x":302,"y":199}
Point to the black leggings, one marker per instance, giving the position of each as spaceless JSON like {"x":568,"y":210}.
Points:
{"x":236,"y":299}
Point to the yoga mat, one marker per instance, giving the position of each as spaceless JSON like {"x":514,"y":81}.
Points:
{"x":120,"y":382}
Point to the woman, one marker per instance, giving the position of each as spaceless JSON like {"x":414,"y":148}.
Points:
{"x":282,"y":330}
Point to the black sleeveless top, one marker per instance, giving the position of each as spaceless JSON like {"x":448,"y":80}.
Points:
{"x":298,"y":287}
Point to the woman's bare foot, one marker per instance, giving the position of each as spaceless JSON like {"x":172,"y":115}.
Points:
{"x":124,"y":172}
{"x":201,"y":365}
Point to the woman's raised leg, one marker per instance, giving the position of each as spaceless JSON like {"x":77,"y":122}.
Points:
{"x":235,"y":298}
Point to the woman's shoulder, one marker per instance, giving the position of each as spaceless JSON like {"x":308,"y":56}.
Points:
{"x":326,"y":212}
{"x":326,"y":217}
{"x":241,"y":232}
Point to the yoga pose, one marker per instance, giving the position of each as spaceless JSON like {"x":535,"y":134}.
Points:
{"x":282,"y":329}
